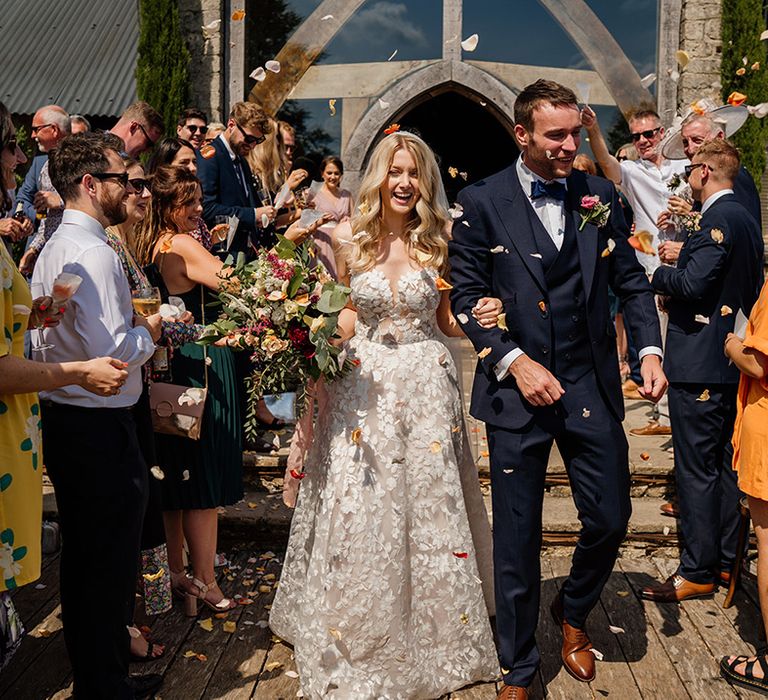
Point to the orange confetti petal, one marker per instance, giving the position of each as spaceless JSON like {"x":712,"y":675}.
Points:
{"x":206,"y":624}
{"x":484,"y":353}
{"x":485,"y":454}
{"x":442,"y":285}
{"x":741,"y":71}
{"x":166,"y":245}
{"x":435,"y":447}
{"x":238,"y":15}
{"x":755,"y":65}
{"x":392,"y":128}
{"x":736,"y":98}
{"x":542,"y":306}
{"x":356,"y":436}
{"x":645,"y":456}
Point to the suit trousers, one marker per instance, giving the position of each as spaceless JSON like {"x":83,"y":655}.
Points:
{"x":707,"y":485}
{"x":93,"y":458}
{"x":592,"y":443}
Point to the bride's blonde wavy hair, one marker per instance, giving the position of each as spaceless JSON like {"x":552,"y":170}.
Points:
{"x":429,"y":220}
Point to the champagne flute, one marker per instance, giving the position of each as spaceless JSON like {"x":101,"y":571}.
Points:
{"x":146,"y":301}
{"x":38,"y":340}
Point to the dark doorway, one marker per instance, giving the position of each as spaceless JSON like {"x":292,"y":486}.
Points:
{"x":464,"y":135}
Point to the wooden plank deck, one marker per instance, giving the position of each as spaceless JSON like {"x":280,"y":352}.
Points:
{"x":664,"y":651}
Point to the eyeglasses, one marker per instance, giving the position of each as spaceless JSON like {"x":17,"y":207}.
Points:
{"x":146,"y":135}
{"x":193,"y":129}
{"x":35,"y":129}
{"x":645,"y":134}
{"x":251,"y":140}
{"x":122,"y":178}
{"x":690,"y":168}
{"x":139,"y":184}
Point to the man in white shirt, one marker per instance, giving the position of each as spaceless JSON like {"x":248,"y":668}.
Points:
{"x":645,"y":182}
{"x":90,"y":443}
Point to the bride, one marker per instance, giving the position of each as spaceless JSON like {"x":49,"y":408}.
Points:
{"x":382,"y":591}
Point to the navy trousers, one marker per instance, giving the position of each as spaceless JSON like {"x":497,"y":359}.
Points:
{"x":593,"y":445}
{"x":707,"y":486}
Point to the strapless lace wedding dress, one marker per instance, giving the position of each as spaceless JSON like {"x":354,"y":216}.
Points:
{"x":381,"y":592}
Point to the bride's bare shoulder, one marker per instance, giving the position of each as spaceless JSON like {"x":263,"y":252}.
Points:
{"x":342,"y":234}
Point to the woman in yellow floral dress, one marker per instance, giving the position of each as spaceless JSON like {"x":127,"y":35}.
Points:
{"x":21,"y":464}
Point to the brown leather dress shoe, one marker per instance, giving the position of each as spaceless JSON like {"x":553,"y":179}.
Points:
{"x":675,"y":589}
{"x":576,"y":653}
{"x":670,"y":509}
{"x":630,"y":390}
{"x":512,"y":692}
{"x":653,"y":428}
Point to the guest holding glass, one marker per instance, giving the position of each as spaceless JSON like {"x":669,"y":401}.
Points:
{"x":11,"y":156}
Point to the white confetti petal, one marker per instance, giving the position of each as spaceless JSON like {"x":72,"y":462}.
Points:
{"x":598,"y":654}
{"x":462,"y":318}
{"x":701,"y":319}
{"x":456,"y":211}
{"x":648,"y":80}
{"x":616,"y":630}
{"x":291,"y":674}
{"x":325,"y":18}
{"x":466,"y":223}
{"x":383,"y":104}
{"x":674,"y":76}
{"x":273,"y":66}
{"x":498,"y":249}
{"x":665,"y":530}
{"x":470,"y":43}
{"x":259,"y":74}
{"x":394,"y":53}
{"x":508,"y":471}
{"x":764,"y":35}
{"x":40,"y":586}
{"x":158,"y":473}
{"x":536,"y":255}
{"x":264,"y":221}
{"x":185,"y":475}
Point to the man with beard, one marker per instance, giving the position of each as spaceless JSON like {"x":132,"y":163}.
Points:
{"x":91,"y":450}
{"x":227,"y":181}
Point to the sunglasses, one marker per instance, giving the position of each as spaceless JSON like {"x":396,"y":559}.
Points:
{"x":690,"y":168}
{"x":122,"y":178}
{"x":35,"y":129}
{"x":251,"y":140}
{"x":193,"y":129}
{"x":146,"y":135}
{"x":645,"y":134}
{"x":139,"y":184}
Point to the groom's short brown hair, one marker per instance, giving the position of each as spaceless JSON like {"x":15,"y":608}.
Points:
{"x":538,"y":92}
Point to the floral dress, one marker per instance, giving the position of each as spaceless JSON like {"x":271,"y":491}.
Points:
{"x":21,"y":468}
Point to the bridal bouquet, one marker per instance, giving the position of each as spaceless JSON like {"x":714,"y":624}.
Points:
{"x":283,"y":309}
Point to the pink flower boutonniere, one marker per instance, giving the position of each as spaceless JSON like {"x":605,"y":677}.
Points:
{"x":593,"y":211}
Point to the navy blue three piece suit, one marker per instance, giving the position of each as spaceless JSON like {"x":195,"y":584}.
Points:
{"x":224,"y":194}
{"x":718,"y":273}
{"x":557,"y":312}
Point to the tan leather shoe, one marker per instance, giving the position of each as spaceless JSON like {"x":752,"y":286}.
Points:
{"x":630,"y":390}
{"x":670,"y":509}
{"x":576,"y":653}
{"x":653,"y":428}
{"x":512,"y":692}
{"x":675,"y":589}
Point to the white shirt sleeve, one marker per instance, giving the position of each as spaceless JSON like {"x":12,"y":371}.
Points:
{"x":102,"y":309}
{"x":503,"y":365}
{"x":650,"y":350}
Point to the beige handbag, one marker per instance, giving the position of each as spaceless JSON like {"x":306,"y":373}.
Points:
{"x":178,"y":409}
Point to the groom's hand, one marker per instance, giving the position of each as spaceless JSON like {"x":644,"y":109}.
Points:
{"x":654,"y":379}
{"x":536,"y":383}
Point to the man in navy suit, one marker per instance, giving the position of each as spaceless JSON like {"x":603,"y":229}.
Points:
{"x":718,"y":274}
{"x":227,"y":181}
{"x":552,"y":374}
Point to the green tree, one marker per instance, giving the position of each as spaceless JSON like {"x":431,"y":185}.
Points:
{"x":742,"y":24}
{"x":162,"y":68}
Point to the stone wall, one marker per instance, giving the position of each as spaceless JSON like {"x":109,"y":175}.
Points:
{"x":700,"y":37}
{"x":206,"y":66}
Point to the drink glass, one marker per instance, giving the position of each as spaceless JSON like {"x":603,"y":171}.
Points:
{"x":146,"y":301}
{"x":38,"y":340}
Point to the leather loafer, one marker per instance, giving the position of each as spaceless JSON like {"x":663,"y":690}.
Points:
{"x":145,"y":686}
{"x":512,"y":692}
{"x":576,"y":653}
{"x":670,"y":509}
{"x":630,"y":390}
{"x":653,"y":428}
{"x":675,"y":589}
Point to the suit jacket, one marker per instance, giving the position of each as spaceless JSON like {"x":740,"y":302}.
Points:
{"x":223,"y":195}
{"x":28,"y":189}
{"x":719,"y":266}
{"x":498,"y":216}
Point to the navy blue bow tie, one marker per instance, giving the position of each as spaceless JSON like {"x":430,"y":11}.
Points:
{"x":554,"y":190}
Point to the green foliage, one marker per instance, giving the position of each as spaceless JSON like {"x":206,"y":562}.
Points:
{"x":618,"y":134}
{"x":742,"y":25}
{"x":162,"y":68}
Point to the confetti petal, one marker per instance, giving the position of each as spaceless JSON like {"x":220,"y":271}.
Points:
{"x":357,"y":434}
{"x":394,"y":53}
{"x":158,"y":473}
{"x":744,"y":60}
{"x":435,"y":447}
{"x":758,"y":111}
{"x":598,"y":654}
{"x":484,"y":353}
{"x":229,"y":627}
{"x":585,"y":413}
{"x":538,"y":256}
{"x":273,"y":66}
{"x":717,"y":235}
{"x":258,"y":74}
{"x":460,"y":555}
{"x":383,"y":104}
{"x":464,"y":618}
{"x":736,"y":99}
{"x":325,"y":18}
{"x":501,"y":322}
{"x":462,"y":318}
{"x":297,"y":475}
{"x":648,"y":80}
{"x":508,"y":471}
{"x":206,"y":624}
{"x":498,"y":249}
{"x":741,"y":71}
{"x":642,"y":241}
{"x":185,"y":475}
{"x":238,"y":15}
{"x":665,"y":530}
{"x":611,"y":244}
{"x":645,"y":456}
{"x":456,"y":211}
{"x":392,"y":128}
{"x":272,"y":665}
{"x":701,"y":319}
{"x":682,"y":58}
{"x":616,"y":630}
{"x":332,"y":107}
{"x":622,"y":594}
{"x":542,"y":306}
{"x":154,"y":577}
{"x":453,"y":172}
{"x":442,"y":285}
{"x":704,"y":395}
{"x":725,"y":310}
{"x":470,"y":43}
{"x":291,"y":674}
{"x":464,"y":175}
{"x":674,"y":76}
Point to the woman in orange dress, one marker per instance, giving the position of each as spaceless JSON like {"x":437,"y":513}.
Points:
{"x":750,"y":460}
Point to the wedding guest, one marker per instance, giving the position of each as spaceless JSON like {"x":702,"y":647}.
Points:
{"x":83,"y":434}
{"x":750,"y":460}
{"x":202,"y":475}
{"x":287,"y":140}
{"x":390,"y":507}
{"x":139,"y":126}
{"x":192,"y":126}
{"x":214,"y":129}
{"x":11,"y":156}
{"x":173,"y":151}
{"x":717,"y":275}
{"x":331,"y":199}
{"x":78,"y":124}
{"x":585,"y":164}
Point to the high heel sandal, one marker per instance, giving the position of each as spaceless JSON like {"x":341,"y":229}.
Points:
{"x":179,"y":583}
{"x":190,"y":600}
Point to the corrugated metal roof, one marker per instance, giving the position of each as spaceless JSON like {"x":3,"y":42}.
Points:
{"x":79,"y":54}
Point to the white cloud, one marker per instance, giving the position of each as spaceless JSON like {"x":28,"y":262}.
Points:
{"x":386,"y":23}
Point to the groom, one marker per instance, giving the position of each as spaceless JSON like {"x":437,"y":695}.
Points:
{"x":552,"y":375}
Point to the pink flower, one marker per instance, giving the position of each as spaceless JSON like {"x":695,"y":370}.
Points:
{"x":590,"y":201}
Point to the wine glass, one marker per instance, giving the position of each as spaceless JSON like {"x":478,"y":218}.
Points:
{"x":38,"y":340}
{"x":146,"y":301}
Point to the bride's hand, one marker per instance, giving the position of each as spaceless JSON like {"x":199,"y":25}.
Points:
{"x":486,"y":312}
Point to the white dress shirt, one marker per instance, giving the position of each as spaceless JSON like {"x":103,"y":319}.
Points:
{"x":551,"y":213}
{"x":98,"y":321}
{"x":647,"y":189}
{"x":709,"y":201}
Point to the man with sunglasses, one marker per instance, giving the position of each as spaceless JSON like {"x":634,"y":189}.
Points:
{"x":226,"y":179}
{"x":719,"y":273}
{"x":140,"y":126}
{"x":193,"y":126}
{"x":91,"y":446}
{"x":645,"y":182}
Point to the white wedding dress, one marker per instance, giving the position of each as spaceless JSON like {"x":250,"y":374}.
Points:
{"x":381,"y":593}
